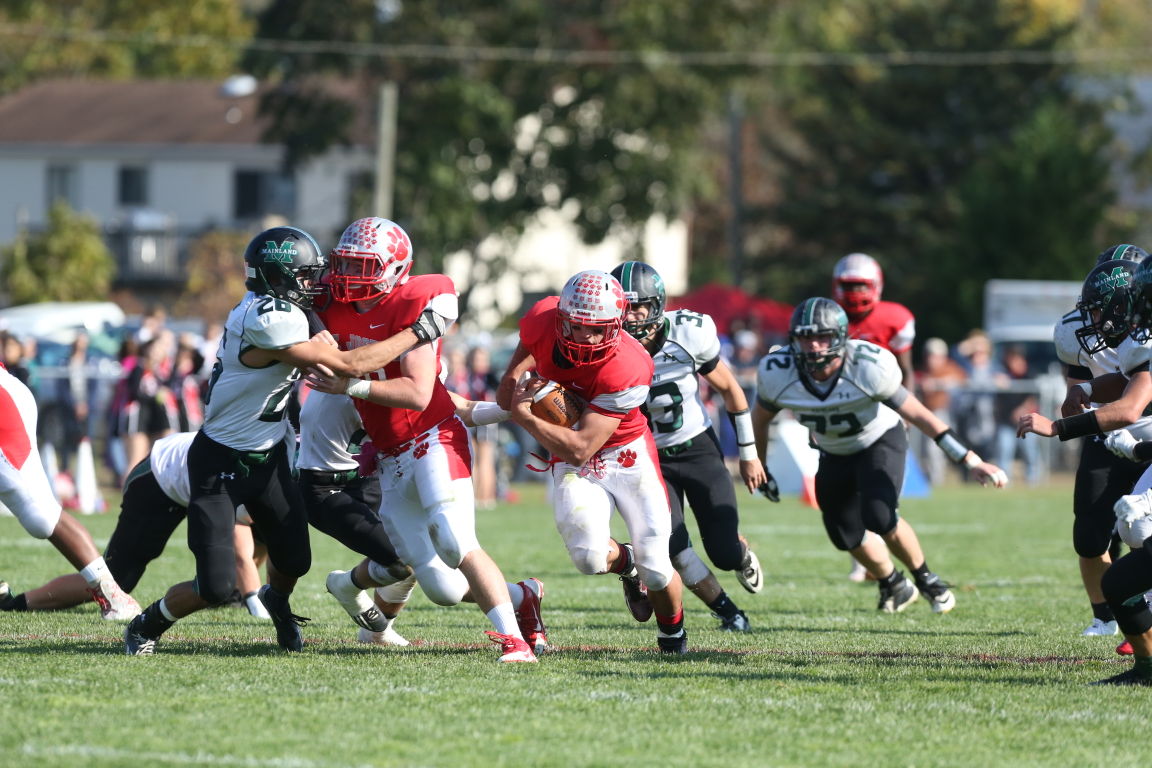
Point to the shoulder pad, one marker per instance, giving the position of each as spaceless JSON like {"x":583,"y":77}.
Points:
{"x":695,"y":332}
{"x":872,"y":368}
{"x":274,"y":324}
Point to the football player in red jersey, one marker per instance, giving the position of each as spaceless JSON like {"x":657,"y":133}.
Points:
{"x":857,"y":282}
{"x":424,"y":460}
{"x":608,"y":458}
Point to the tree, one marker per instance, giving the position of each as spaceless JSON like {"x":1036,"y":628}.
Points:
{"x":486,"y":143}
{"x":67,"y":262}
{"x":215,"y":275}
{"x":948,"y":174}
{"x":118,"y":39}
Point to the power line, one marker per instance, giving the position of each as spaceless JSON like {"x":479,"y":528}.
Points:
{"x":649,"y":59}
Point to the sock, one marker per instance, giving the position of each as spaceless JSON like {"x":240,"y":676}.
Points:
{"x":155,"y":620}
{"x":891,"y":579}
{"x":626,"y":562}
{"x":15,"y":603}
{"x":503,"y":618}
{"x":1102,"y":611}
{"x":921,"y":573}
{"x":516,"y":594}
{"x":670,"y":625}
{"x":162,"y":606}
{"x":96,"y":572}
{"x":352,"y":578}
{"x":723,"y":606}
{"x":1143,"y":667}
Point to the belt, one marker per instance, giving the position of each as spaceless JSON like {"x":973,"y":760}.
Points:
{"x":399,"y":449}
{"x":322,"y":477}
{"x":675,"y":450}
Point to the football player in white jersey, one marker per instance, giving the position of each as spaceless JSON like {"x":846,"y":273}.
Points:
{"x":1101,"y":477}
{"x":241,"y":453}
{"x":1117,"y":299}
{"x":683,"y":344}
{"x":849,"y":395}
{"x":154,"y":503}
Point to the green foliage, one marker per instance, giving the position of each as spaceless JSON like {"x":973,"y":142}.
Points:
{"x":67,"y":262}
{"x":484,"y":145}
{"x":823,"y":678}
{"x":215,"y":275}
{"x":949,"y":175}
{"x":119,"y":39}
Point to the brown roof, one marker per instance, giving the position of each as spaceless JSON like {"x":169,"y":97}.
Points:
{"x":128,"y":112}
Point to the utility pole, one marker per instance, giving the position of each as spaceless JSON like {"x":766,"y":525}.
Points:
{"x":736,"y":187}
{"x":385,"y":151}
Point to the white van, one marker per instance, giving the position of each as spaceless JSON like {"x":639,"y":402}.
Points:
{"x":58,"y":321}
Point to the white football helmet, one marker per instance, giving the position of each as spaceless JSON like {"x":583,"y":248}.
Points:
{"x":590,"y":298}
{"x":371,"y":259}
{"x":854,"y":270}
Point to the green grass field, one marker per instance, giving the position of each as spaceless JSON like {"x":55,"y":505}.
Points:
{"x":822,"y":678}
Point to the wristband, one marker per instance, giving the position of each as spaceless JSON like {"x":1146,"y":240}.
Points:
{"x":485,"y":413}
{"x":1080,"y":425}
{"x":1087,"y":387}
{"x":745,"y":440}
{"x":952,"y":447}
{"x":360,"y":388}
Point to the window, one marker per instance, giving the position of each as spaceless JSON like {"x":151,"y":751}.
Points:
{"x":261,"y":193}
{"x":133,"y":185}
{"x":61,"y":185}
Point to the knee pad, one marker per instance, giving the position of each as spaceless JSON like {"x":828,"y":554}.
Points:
{"x":451,"y":542}
{"x":217,"y":588}
{"x":691,"y":568}
{"x":589,"y":561}
{"x":442,"y":585}
{"x":398,"y":592}
{"x":654,"y":568}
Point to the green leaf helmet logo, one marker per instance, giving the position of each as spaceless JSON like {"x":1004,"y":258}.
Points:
{"x":283,"y":253}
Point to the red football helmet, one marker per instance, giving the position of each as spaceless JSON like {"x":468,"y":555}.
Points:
{"x":590,"y":298}
{"x":856,"y":284}
{"x":372,"y":257}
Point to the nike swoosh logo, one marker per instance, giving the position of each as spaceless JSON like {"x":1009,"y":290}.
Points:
{"x":377,"y":325}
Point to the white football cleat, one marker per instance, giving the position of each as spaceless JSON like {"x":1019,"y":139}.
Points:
{"x":357,"y":603}
{"x":115,"y":604}
{"x":1100,"y":628}
{"x":387,"y":637}
{"x":750,"y":576}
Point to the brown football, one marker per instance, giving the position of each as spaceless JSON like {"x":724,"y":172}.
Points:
{"x":557,"y":405}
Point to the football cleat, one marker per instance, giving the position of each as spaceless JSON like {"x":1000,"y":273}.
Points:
{"x":513,"y":648}
{"x":1124,"y":649}
{"x":676,"y":643}
{"x":288,"y":634}
{"x":388,"y":637}
{"x":5,"y":595}
{"x":1101,"y":628}
{"x":357,"y":603}
{"x":1129,"y":677}
{"x":636,"y":597}
{"x":529,"y":618}
{"x":737,"y":622}
{"x":750,"y":576}
{"x":115,"y":604}
{"x":937,"y":593}
{"x":897,"y":597}
{"x":136,"y":643}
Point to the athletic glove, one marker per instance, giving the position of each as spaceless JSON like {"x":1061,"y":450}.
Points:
{"x":769,"y":489}
{"x":1122,"y":443}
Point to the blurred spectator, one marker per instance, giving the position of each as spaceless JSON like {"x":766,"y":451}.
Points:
{"x":975,"y":407}
{"x":1013,"y":401}
{"x":76,"y":395}
{"x":128,"y":355}
{"x":937,"y":380}
{"x":211,"y":342}
{"x":13,"y":357}
{"x":481,"y":385}
{"x":150,"y":410}
{"x":152,"y":322}
{"x":185,"y":383}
